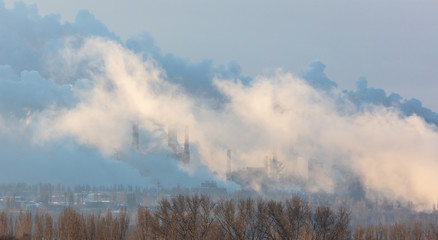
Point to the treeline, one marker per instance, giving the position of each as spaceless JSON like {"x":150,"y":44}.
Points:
{"x":69,"y":225}
{"x":197,"y":217}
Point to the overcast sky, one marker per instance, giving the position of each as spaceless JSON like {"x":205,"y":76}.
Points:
{"x":391,"y":43}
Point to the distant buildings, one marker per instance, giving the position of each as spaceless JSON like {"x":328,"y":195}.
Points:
{"x":211,"y":189}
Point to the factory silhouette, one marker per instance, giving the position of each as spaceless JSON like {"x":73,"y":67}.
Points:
{"x":273,"y":168}
{"x":180,"y":153}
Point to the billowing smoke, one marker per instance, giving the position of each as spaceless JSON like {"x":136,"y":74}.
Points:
{"x":73,"y":92}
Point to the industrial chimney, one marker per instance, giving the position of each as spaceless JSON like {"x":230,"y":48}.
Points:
{"x":228,"y":165}
{"x":186,"y":146}
{"x":135,"y":136}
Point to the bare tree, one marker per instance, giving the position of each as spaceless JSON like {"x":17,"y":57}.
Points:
{"x":123,"y":223}
{"x":341,"y":228}
{"x":38,"y":227}
{"x":277,"y":216}
{"x":322,"y":222}
{"x":167,"y":221}
{"x":145,"y":224}
{"x":225,"y":212}
{"x":6,"y":226}
{"x":23,"y":226}
{"x":298,"y":214}
{"x":206,"y":215}
{"x":399,"y":231}
{"x":71,"y":225}
{"x":48,"y":227}
{"x":247,"y":219}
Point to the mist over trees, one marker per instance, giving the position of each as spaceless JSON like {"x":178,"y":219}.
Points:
{"x":66,"y":212}
{"x":198,"y":217}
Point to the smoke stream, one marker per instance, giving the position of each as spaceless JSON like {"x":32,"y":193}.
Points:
{"x":84,"y":89}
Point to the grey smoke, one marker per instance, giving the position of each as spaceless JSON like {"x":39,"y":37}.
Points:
{"x":195,"y":77}
{"x":364,"y":95}
{"x":316,"y":77}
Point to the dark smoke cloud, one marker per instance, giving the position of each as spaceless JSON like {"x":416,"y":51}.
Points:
{"x":27,"y":38}
{"x":30,"y":92}
{"x":316,"y":77}
{"x":363,"y":95}
{"x":195,"y":77}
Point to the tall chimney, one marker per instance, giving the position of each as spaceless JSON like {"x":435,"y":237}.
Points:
{"x":135,"y":136}
{"x":186,"y":146}
{"x":228,"y":164}
{"x":186,"y":141}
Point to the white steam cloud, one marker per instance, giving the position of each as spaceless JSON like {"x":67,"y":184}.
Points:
{"x":91,"y":89}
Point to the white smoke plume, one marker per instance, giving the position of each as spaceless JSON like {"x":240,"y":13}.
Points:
{"x":392,"y":154}
{"x":89,"y":90}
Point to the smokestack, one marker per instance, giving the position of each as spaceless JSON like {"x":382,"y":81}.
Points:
{"x":276,"y":167}
{"x":228,"y":164}
{"x":169,"y":137}
{"x":135,"y":141}
{"x":186,"y":141}
{"x":186,"y":146}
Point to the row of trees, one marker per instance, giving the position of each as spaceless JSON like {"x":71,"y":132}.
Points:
{"x":69,"y":225}
{"x":197,"y":217}
{"x":411,"y":230}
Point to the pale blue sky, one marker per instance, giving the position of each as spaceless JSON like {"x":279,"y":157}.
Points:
{"x":391,"y":43}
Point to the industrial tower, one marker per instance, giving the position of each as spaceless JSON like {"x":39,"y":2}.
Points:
{"x":228,"y":174}
{"x":135,"y":136}
{"x":180,"y":153}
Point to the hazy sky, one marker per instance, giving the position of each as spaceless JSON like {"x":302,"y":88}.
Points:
{"x":391,"y":43}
